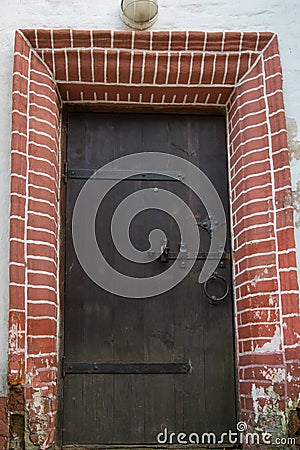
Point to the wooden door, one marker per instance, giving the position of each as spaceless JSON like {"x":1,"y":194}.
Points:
{"x":187,"y":338}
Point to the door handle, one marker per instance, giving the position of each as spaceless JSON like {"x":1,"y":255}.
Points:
{"x":165,"y":249}
{"x":213,"y":299}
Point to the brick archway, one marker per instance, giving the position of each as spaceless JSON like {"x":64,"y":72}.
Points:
{"x":238,"y":71}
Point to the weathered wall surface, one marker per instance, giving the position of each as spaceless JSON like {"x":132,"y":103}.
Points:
{"x":279,"y":17}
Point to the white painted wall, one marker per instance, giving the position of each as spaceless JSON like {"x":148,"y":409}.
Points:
{"x":282,"y":17}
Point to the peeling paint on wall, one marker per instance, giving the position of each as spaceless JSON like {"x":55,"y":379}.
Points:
{"x":273,"y":345}
{"x":293,"y":143}
{"x":267,"y":413}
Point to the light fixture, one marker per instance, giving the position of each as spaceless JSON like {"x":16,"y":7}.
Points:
{"x":139,"y":14}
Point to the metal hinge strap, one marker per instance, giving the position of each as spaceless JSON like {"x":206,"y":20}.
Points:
{"x":126,"y":368}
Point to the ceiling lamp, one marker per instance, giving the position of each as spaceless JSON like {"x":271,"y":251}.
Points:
{"x":139,"y":14}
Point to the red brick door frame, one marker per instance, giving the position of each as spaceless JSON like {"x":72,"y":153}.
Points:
{"x":239,"y":71}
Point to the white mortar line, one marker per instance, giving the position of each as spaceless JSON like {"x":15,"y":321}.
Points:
{"x":275,"y":223}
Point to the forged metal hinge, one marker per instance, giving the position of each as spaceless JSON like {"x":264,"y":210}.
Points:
{"x":65,"y":174}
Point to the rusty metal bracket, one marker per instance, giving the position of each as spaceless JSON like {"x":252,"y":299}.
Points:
{"x":129,"y":367}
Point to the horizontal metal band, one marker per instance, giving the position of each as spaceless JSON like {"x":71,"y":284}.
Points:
{"x":135,"y":175}
{"x":129,"y":368}
{"x":202,"y":256}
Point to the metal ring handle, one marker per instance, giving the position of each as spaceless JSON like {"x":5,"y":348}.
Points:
{"x":212,"y":298}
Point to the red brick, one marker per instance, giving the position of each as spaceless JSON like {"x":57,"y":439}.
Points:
{"x":185,"y":62}
{"x":255,"y":344}
{"x":17,"y":318}
{"x":81,"y":38}
{"x":38,"y":249}
{"x":44,"y":38}
{"x":16,"y":228}
{"x":260,"y":301}
{"x":48,"y":59}
{"x":252,"y":221}
{"x":282,"y":179}
{"x":289,"y":280}
{"x":43,"y":345}
{"x":256,"y":106}
{"x":41,"y":362}
{"x":192,"y":40}
{"x":232,"y":68}
{"x":46,"y":167}
{"x":160,"y":40}
{"x":16,"y":297}
{"x":44,"y":376}
{"x":252,"y":169}
{"x":41,"y":151}
{"x":257,"y":193}
{"x":34,"y":205}
{"x":249,"y":41}
{"x":102,"y":38}
{"x":195,"y":40}
{"x":20,"y":83}
{"x":60,"y":65}
{"x":40,"y":327}
{"x":256,"y":316}
{"x":286,"y":239}
{"x":42,"y":113}
{"x":18,"y":164}
{"x":123,"y":39}
{"x":137,"y":69}
{"x":42,"y":293}
{"x":161,"y":75}
{"x":261,"y":206}
{"x":275,"y":102}
{"x":47,"y":90}
{"x":290,"y":303}
{"x":98,"y":65}
{"x":38,"y":279}
{"x":42,"y":194}
{"x":17,"y":251}
{"x":73,"y":73}
{"x":207,"y":63}
{"x":196,"y":68}
{"x":258,"y":233}
{"x":256,"y":261}
{"x":41,"y":309}
{"x":17,"y":274}
{"x":40,"y":235}
{"x":42,"y":264}
{"x":232,"y":41}
{"x":244,"y":65}
{"x":61,"y":38}
{"x":249,"y":121}
{"x":19,"y":102}
{"x":43,"y":101}
{"x":42,"y":180}
{"x":247,"y":182}
{"x":271,"y":67}
{"x":262,"y":359}
{"x":38,"y":221}
{"x":124,"y":61}
{"x":260,"y":286}
{"x":257,"y":330}
{"x":111,"y":75}
{"x":291,"y":330}
{"x":85,"y":65}
{"x":265,"y":38}
{"x":214,"y":41}
{"x":18,"y":185}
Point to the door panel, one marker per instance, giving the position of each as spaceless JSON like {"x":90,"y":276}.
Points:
{"x":177,"y":326}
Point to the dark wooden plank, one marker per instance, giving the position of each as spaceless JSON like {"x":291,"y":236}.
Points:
{"x":175,"y":326}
